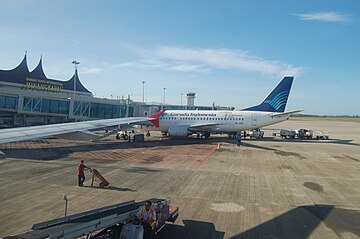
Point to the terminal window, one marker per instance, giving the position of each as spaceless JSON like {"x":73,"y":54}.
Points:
{"x":46,"y":105}
{"x":8,"y":102}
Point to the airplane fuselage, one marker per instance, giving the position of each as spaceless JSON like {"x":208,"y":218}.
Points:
{"x":218,"y":121}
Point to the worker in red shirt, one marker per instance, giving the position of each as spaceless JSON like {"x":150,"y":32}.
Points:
{"x":81,"y":175}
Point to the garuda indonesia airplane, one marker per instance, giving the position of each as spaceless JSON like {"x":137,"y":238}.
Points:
{"x":178,"y":123}
{"x":173,"y":122}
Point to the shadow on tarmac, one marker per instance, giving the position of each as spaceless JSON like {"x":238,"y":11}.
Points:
{"x":300,"y":222}
{"x":111,"y":188}
{"x":314,"y":141}
{"x":57,"y":152}
{"x":276,"y":150}
{"x":142,"y":170}
{"x":192,"y":230}
{"x":120,"y":189}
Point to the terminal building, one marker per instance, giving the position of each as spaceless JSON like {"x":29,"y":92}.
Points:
{"x":31,"y":98}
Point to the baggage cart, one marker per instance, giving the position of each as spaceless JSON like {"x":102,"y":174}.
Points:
{"x":97,"y":177}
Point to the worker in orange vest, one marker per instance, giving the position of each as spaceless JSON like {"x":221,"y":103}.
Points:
{"x":147,"y":217}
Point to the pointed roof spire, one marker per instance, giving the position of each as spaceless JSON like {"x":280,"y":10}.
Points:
{"x":21,"y":72}
{"x":23,"y":65}
{"x":79,"y":86}
{"x":16,"y":75}
{"x":38,"y":72}
{"x":22,"y":68}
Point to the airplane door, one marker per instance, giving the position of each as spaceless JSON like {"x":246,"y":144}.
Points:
{"x":253,"y":120}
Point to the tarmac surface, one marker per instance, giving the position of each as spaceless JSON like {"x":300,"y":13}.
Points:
{"x":268,"y":188}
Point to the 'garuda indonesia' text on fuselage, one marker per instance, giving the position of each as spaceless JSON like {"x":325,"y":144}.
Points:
{"x":186,"y":122}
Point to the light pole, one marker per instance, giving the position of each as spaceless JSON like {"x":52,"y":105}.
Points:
{"x":164,"y":96}
{"x":181,"y":99}
{"x":76,"y":63}
{"x":143,"y":91}
{"x":66,"y":204}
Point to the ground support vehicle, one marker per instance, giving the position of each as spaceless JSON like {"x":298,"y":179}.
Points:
{"x":123,"y":134}
{"x":165,"y":212}
{"x":305,"y":134}
{"x":288,"y":134}
{"x":255,"y":134}
{"x":321,"y":135}
{"x":106,"y":222}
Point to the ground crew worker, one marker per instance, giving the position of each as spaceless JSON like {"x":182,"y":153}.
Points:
{"x":238,"y":138}
{"x":147,"y":217}
{"x":158,"y":210}
{"x":81,"y":175}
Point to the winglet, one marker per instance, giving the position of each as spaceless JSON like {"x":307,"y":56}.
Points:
{"x":155,"y":118}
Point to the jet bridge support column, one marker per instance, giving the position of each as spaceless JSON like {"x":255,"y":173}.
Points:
{"x":2,"y":155}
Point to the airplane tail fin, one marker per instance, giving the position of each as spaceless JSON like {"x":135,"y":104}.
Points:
{"x":277,"y":99}
{"x":155,"y":118}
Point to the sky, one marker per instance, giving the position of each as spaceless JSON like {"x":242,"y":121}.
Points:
{"x":231,"y":52}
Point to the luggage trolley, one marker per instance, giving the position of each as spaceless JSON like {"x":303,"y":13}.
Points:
{"x":98,"y":178}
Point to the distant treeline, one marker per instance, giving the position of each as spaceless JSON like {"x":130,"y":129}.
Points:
{"x":327,"y":116}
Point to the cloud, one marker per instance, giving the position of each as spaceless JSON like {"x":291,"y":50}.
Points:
{"x":145,"y":62}
{"x":75,"y":42}
{"x":190,"y":68}
{"x":325,"y":17}
{"x":207,"y":60}
{"x":223,"y":58}
{"x":90,"y":70}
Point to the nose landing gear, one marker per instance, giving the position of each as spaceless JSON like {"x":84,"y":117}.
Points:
{"x":203,"y":136}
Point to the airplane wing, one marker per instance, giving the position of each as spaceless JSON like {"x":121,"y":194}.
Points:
{"x":285,"y":113}
{"x":32,"y":132}
{"x":199,"y":127}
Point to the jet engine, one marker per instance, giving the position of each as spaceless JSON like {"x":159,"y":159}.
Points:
{"x":179,"y":131}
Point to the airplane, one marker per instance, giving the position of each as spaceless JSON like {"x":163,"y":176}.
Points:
{"x":173,"y":122}
{"x":181,"y":123}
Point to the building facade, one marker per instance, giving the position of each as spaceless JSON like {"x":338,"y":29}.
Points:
{"x":31,"y":98}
